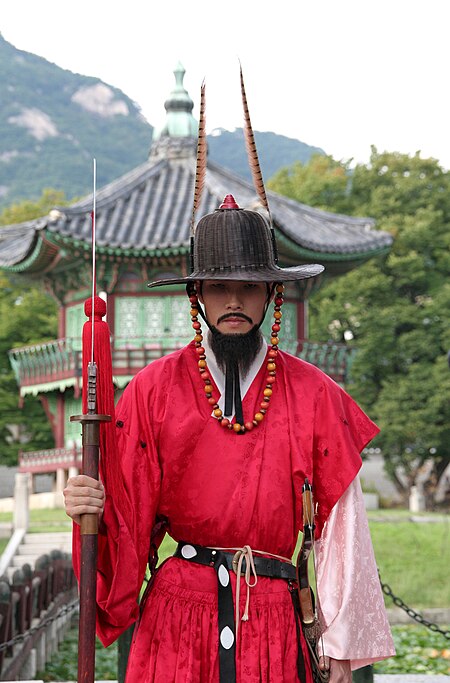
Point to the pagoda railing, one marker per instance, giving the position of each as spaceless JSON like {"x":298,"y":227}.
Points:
{"x":50,"y":460}
{"x":59,"y":361}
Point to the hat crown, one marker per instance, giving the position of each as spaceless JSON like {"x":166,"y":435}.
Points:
{"x":232,"y":239}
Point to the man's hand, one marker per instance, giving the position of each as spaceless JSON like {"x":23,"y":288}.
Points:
{"x":83,"y":495}
{"x":340,"y":671}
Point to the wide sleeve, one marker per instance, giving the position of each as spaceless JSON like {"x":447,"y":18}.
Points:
{"x":132,"y":484}
{"x":341,"y":431}
{"x":348,"y":587}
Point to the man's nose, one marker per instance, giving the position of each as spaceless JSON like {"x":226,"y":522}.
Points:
{"x":234,"y":300}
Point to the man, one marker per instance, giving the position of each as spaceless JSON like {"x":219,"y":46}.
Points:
{"x":215,"y":442}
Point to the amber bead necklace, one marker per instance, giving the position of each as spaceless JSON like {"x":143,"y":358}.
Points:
{"x":271,"y":366}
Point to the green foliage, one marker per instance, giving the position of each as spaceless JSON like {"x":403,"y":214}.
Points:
{"x":63,"y":665}
{"x":396,"y":309}
{"x":321,"y":182}
{"x":27,"y":209}
{"x":28,"y":316}
{"x":419,"y":651}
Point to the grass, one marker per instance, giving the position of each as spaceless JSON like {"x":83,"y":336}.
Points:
{"x":43,"y":520}
{"x":413,"y":558}
{"x":418,"y":651}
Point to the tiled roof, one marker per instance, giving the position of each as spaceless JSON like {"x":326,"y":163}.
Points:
{"x":150,"y":208}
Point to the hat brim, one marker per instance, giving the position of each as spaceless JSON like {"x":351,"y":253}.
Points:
{"x":264,"y":274}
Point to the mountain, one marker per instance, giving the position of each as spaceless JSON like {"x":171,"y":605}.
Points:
{"x":274,"y":151}
{"x":54,"y":122}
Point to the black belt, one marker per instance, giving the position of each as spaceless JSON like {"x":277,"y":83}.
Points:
{"x":222,"y":562}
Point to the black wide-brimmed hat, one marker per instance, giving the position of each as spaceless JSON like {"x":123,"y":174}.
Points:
{"x":236,"y":244}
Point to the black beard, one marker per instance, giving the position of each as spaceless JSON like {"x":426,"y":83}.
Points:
{"x":236,"y":350}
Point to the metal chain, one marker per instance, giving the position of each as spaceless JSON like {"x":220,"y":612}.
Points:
{"x":66,"y":609}
{"x":387,"y":590}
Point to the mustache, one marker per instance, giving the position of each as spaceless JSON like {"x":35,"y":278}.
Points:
{"x":235,"y":315}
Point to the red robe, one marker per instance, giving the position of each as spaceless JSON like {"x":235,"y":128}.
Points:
{"x":217,"y":489}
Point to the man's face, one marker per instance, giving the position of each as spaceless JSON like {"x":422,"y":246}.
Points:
{"x":233,"y":306}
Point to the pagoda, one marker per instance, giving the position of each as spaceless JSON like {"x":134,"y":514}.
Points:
{"x":142,"y":234}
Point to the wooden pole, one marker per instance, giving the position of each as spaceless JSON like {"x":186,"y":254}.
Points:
{"x":90,"y":425}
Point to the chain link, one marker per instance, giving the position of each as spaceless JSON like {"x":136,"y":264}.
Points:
{"x":387,"y":590}
{"x":66,"y":609}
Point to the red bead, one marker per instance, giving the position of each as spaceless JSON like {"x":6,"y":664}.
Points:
{"x":200,"y":350}
{"x":264,"y":405}
{"x":276,"y":327}
{"x":249,"y":426}
{"x":193,"y":299}
{"x":270,"y":380}
{"x":273,"y":353}
{"x":204,"y":375}
{"x":212,"y":401}
{"x":196,"y":326}
{"x":278,"y":301}
{"x":224,"y":422}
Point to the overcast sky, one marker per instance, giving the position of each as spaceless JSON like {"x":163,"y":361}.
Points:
{"x":337,"y":74}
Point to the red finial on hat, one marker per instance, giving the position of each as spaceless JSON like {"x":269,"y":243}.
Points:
{"x":229,"y":203}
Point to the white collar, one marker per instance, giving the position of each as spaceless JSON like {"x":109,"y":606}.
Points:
{"x":219,"y":376}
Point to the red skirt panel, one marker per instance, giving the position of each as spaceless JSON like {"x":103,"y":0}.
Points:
{"x":176,"y":639}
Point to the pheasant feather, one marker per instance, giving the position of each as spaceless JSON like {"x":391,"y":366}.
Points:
{"x":252,"y":152}
{"x":200,"y":170}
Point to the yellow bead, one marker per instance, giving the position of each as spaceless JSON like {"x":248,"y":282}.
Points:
{"x":267,"y":392}
{"x":274,"y":341}
{"x":259,"y":417}
{"x":198,"y":338}
{"x":208,"y":388}
{"x":271,"y":367}
{"x":237,"y":427}
{"x":280,"y":288}
{"x":202,"y":363}
{"x":277,"y":315}
{"x":194,"y":312}
{"x":217,"y":412}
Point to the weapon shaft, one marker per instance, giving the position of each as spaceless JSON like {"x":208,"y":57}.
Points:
{"x":90,"y":425}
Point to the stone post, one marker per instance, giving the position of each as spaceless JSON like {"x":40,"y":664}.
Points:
{"x":21,"y":501}
{"x":60,"y":480}
{"x":73,"y":471}
{"x":416,"y":499}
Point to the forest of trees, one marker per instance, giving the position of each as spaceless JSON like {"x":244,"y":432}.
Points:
{"x":393,"y":310}
{"x":396,"y":309}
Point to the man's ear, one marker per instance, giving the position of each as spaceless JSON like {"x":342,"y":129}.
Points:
{"x":198,"y":289}
{"x":271,"y":286}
